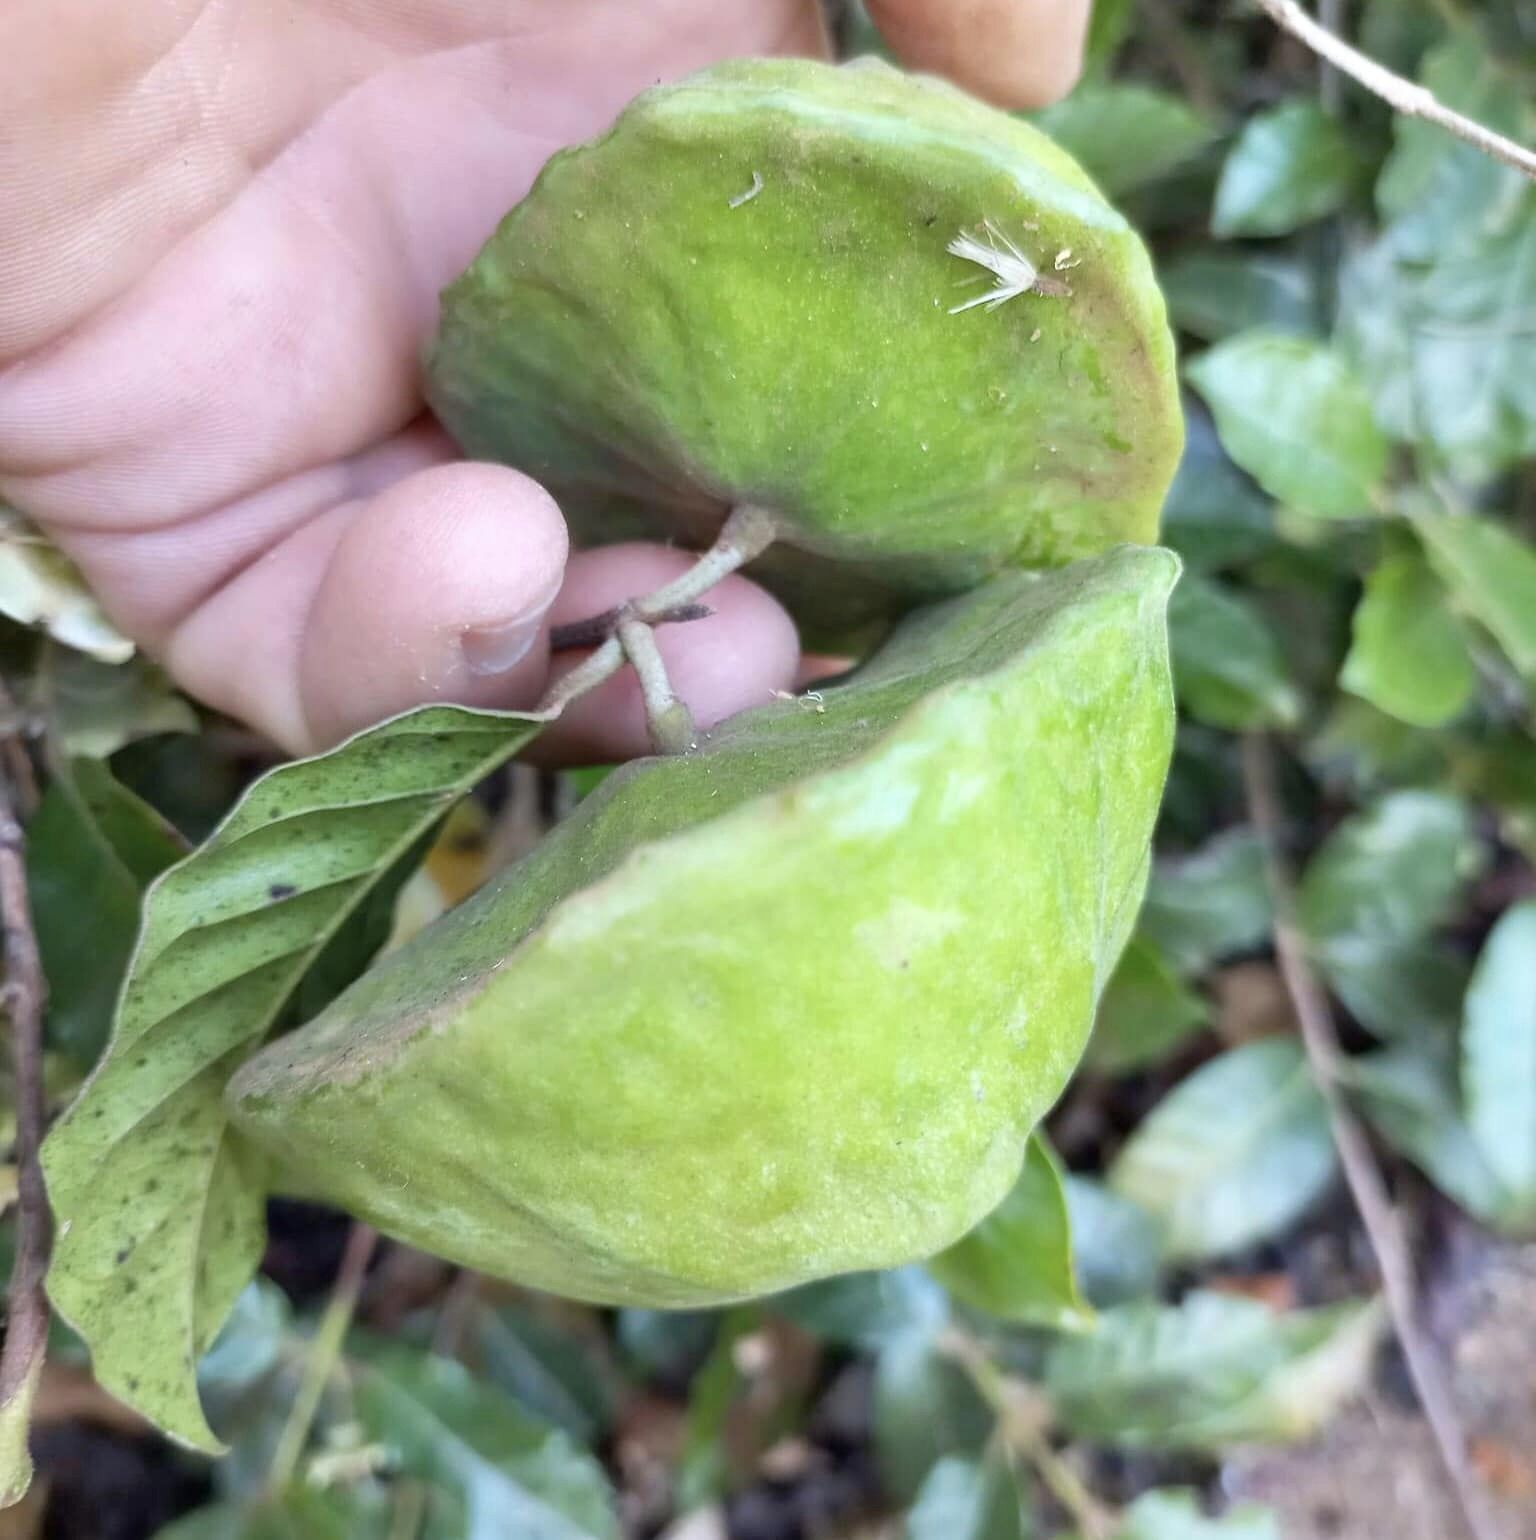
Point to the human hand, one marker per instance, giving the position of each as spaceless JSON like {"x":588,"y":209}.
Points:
{"x":223,"y":228}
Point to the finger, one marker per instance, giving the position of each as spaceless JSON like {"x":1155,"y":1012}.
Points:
{"x":436,"y":588}
{"x":1016,"y":53}
{"x":284,"y":333}
{"x":735,"y":659}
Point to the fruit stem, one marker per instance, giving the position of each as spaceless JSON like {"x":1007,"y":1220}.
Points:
{"x":748,"y":531}
{"x":671,"y":722}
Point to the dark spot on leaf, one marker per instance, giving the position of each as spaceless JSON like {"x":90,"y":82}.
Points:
{"x":281,"y":890}
{"x":121,"y":1257}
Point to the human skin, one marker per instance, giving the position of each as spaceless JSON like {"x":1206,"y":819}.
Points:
{"x":223,"y":228}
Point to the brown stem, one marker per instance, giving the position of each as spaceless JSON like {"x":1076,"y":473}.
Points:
{"x":24,"y":993}
{"x":596,"y":629}
{"x":1383,"y":1228}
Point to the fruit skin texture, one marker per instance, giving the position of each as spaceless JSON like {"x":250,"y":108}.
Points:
{"x":784,"y":1007}
{"x":654,"y":355}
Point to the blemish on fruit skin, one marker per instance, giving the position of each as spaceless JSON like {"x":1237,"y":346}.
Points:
{"x":905,"y":929}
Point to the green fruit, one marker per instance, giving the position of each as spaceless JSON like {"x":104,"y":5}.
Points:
{"x":783,"y":1007}
{"x":743,"y":293}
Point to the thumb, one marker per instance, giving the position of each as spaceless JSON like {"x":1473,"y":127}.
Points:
{"x":438,"y":589}
{"x":1015,"y":53}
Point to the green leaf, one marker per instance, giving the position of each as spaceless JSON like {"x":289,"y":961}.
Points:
{"x":1381,"y":883}
{"x":303,"y":1513}
{"x":925,"y":1407}
{"x":1409,"y":1093}
{"x":40,"y":586}
{"x":1294,"y":415}
{"x":1209,"y":905}
{"x":1438,"y":191}
{"x":1228,"y":670}
{"x":1499,"y":1053}
{"x":1176,"y":1515}
{"x":1443,"y":349}
{"x":494,"y":1471}
{"x":92,"y":848}
{"x":1017,"y":1263}
{"x":1115,"y":1243}
{"x":160,"y":1209}
{"x":1233,"y":1154}
{"x":94,"y":708}
{"x":1126,"y":135}
{"x":1213,"y":1371}
{"x":1216,"y":293}
{"x":1145,"y":1012}
{"x":1389,"y":873}
{"x":1214,"y":515}
{"x":865,"y":1310}
{"x":1409,"y":655}
{"x":964,"y":1499}
{"x":553,"y":1374}
{"x":1492,"y":572}
{"x":1290,"y":166}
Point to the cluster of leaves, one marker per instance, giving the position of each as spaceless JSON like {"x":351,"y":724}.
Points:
{"x":1356,"y":513}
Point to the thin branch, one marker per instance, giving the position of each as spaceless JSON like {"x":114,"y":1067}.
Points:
{"x":596,"y":629}
{"x":1412,"y":100}
{"x":24,"y":993}
{"x":1383,"y":1228}
{"x":670,"y":721}
{"x":1022,"y":1422}
{"x":324,"y":1351}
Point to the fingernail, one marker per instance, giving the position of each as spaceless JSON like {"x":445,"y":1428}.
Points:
{"x":495,"y":649}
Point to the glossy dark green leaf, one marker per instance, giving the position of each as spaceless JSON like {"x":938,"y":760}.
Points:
{"x":1145,"y":1012}
{"x":552,"y":1373}
{"x":866,"y":1310}
{"x":1017,"y":1263}
{"x":1228,"y":669}
{"x":1116,"y":1244}
{"x":1439,"y":192}
{"x":1446,"y":366}
{"x":493,"y":1470}
{"x":94,"y":708}
{"x":1409,"y":1093}
{"x":1211,"y":904}
{"x":1217,"y":292}
{"x":1492,"y":572}
{"x":1215,"y":515}
{"x":1126,"y":135}
{"x":967,"y":1499}
{"x":1212,"y":1371}
{"x":92,"y":849}
{"x":925,"y":1407}
{"x":1295,"y":416}
{"x":1386,"y":877}
{"x":1409,"y":654}
{"x":1234,"y":1154}
{"x":1292,"y":164}
{"x":160,"y":1208}
{"x":1499,"y":1053}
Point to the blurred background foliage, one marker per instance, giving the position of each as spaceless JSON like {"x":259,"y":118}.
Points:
{"x":1179,"y":1283}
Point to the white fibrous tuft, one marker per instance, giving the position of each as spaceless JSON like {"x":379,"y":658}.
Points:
{"x":1012,"y":271}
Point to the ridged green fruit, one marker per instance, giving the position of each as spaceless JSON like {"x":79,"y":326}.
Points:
{"x":745,"y":293}
{"x":783,"y":1007}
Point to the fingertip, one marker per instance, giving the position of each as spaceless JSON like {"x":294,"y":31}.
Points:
{"x":1016,"y":54}
{"x":439,"y":590}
